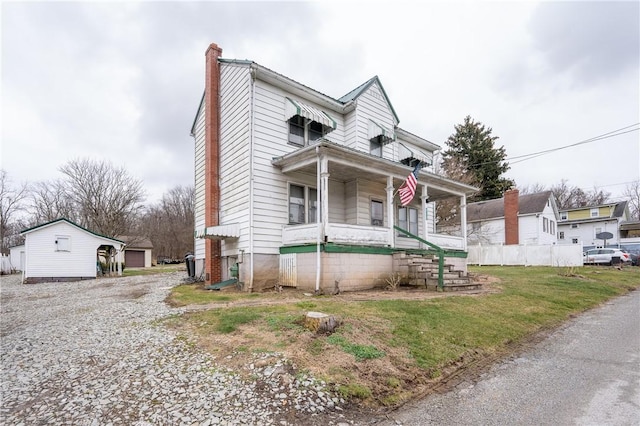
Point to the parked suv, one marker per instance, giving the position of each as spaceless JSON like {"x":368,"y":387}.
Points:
{"x":605,"y":256}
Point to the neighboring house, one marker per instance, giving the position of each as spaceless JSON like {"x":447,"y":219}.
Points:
{"x":581,"y":225}
{"x":299,"y":188}
{"x":514,"y":219}
{"x":138,"y":251}
{"x":61,"y":250}
{"x":16,"y":256}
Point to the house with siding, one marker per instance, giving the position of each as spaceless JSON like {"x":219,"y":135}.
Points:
{"x":581,"y":225}
{"x":297,"y":188}
{"x":514,"y":219}
{"x":61,"y":250}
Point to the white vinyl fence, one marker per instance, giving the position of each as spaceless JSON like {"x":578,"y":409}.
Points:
{"x":527,"y":255}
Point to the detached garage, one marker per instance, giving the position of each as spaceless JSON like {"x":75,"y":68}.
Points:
{"x":138,"y":252}
{"x":61,"y":250}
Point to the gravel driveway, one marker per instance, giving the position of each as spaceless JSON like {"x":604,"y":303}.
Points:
{"x":94,"y":353}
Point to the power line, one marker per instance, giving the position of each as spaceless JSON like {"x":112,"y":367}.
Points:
{"x":603,"y":136}
{"x":525,"y":157}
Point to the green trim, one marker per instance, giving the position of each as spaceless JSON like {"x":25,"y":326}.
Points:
{"x":344,"y":248}
{"x":307,"y":248}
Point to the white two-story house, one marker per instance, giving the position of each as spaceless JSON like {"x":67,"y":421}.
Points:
{"x":582,"y":225}
{"x":297,"y":188}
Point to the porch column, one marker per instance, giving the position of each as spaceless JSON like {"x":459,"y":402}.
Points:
{"x":463,"y":221}
{"x":425,"y":213}
{"x":324,"y":192}
{"x":390,"y":216}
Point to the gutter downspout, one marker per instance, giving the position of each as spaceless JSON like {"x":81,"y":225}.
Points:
{"x":251,"y":137}
{"x":319,"y":239}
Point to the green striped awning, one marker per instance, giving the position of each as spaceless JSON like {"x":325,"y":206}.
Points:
{"x":294,"y":108}
{"x":376,"y":130}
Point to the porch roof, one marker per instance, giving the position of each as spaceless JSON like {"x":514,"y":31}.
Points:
{"x":347,"y":164}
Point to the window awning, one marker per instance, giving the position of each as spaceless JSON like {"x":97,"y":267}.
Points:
{"x":294,"y":108}
{"x":376,"y":130}
{"x":220,"y":232}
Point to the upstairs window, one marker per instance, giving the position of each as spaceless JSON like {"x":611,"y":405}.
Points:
{"x":303,"y":132}
{"x":563,"y":215}
{"x":375,"y":146}
{"x":595,"y":212}
{"x":306,"y":123}
{"x":296,"y":131}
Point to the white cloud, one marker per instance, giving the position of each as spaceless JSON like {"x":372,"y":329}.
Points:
{"x":122,"y":81}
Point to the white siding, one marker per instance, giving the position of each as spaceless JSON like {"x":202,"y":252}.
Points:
{"x":235,"y":108}
{"x":372,"y":105}
{"x":43,"y":260}
{"x":199,"y":167}
{"x":270,"y":185}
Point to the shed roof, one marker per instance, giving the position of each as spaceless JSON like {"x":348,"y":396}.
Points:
{"x":61,"y":220}
{"x":136,"y":241}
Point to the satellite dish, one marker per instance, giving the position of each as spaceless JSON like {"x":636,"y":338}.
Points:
{"x":604,"y":235}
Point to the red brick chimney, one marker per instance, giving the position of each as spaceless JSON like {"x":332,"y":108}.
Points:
{"x":511,"y":209}
{"x":212,"y":251}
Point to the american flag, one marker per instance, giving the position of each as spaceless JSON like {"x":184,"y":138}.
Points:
{"x":408,"y":188}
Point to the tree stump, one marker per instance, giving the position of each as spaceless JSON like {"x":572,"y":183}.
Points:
{"x":320,"y":323}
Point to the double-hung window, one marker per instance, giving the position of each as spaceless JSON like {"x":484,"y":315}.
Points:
{"x":375,"y":146}
{"x":303,"y":204}
{"x":408,"y":220}
{"x":377,"y":213}
{"x":303,"y":132}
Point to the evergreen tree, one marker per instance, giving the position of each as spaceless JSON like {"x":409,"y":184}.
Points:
{"x":471,"y":156}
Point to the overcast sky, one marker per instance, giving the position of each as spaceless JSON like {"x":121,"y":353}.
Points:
{"x":122,"y":80}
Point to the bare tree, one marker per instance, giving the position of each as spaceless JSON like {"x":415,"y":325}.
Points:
{"x":11,"y":202}
{"x":632,"y":192}
{"x":532,"y":189}
{"x":169,"y":224}
{"x":568,"y":197}
{"x":107,"y":198}
{"x":50,"y":201}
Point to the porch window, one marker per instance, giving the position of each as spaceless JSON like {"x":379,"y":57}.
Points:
{"x":561,"y":235}
{"x":375,"y":146}
{"x":303,"y":204}
{"x":408,"y":220}
{"x":377,"y":213}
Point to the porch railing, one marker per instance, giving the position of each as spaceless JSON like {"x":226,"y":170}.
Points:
{"x":439,"y":251}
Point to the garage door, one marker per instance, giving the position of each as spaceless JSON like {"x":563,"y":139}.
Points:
{"x":134,"y":258}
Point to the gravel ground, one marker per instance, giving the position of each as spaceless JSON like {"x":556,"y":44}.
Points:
{"x":95,"y":353}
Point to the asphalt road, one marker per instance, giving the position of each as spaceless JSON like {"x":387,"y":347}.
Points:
{"x":585,"y":373}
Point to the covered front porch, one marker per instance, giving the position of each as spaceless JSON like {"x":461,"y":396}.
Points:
{"x":357,"y":201}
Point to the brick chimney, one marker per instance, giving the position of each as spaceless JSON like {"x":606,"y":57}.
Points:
{"x":511,"y":209}
{"x":212,"y":251}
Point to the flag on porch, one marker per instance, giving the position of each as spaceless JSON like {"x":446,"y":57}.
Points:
{"x":408,"y":188}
